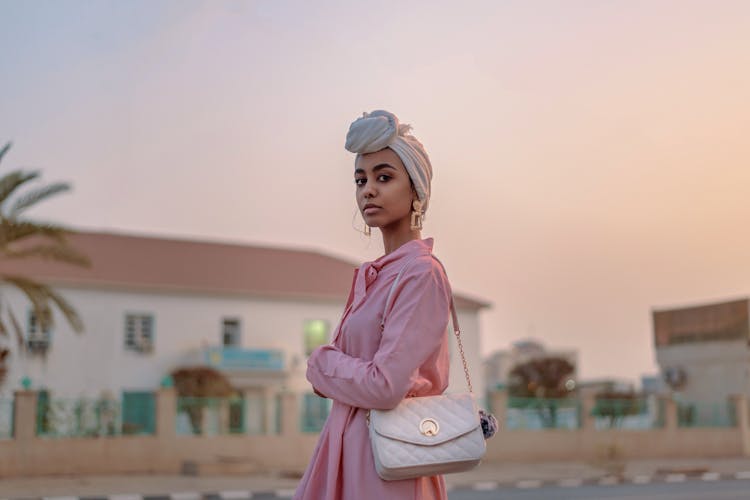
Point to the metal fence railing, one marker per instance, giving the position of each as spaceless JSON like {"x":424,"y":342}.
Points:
{"x":6,"y":418}
{"x":89,"y":417}
{"x":542,"y":413}
{"x":706,"y":414}
{"x":210,"y":416}
{"x":314,"y":412}
{"x":626,"y":413}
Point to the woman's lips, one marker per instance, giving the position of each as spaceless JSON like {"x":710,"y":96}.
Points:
{"x":370,"y":210}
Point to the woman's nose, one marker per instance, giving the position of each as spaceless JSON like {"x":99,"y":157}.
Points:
{"x":369,"y":190}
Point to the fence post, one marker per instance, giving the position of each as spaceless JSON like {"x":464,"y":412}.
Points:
{"x":166,"y":412}
{"x":741,"y":416}
{"x":290,"y":414}
{"x":670,"y":413}
{"x":499,"y":406}
{"x":269,"y":410}
{"x":587,"y":419}
{"x":24,"y":415}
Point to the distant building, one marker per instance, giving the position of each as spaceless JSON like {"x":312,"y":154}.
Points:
{"x":151,"y":305}
{"x":704,"y":357}
{"x":498,"y":365}
{"x":653,"y":384}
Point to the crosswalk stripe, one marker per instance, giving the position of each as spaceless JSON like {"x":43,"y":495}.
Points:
{"x":529,"y":483}
{"x":125,"y":497}
{"x":232,"y":495}
{"x":485,"y":486}
{"x":570,"y":483}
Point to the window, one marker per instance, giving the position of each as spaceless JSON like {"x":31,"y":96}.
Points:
{"x":38,"y":339}
{"x":316,"y":334}
{"x":139,"y":332}
{"x":230,"y":332}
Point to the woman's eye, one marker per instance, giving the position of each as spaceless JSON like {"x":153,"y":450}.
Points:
{"x":383,"y":177}
{"x":359,"y":181}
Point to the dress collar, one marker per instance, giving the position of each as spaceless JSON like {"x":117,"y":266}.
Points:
{"x":368,"y":271}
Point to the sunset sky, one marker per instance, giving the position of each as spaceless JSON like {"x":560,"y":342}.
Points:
{"x":591,"y":159}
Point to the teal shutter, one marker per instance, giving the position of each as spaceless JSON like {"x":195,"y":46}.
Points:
{"x":138,"y":413}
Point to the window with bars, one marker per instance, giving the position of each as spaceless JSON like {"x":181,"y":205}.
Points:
{"x":230,"y":332}
{"x":139,"y":332}
{"x":37,"y":338}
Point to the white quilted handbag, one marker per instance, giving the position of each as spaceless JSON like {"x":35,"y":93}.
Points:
{"x":425,"y":436}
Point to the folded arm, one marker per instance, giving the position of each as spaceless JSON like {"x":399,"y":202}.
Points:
{"x":414,"y":328}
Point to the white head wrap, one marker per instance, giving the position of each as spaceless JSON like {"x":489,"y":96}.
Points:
{"x":381,"y":129}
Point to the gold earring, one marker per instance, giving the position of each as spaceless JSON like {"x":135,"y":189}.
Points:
{"x":368,"y":231}
{"x":416,"y":215}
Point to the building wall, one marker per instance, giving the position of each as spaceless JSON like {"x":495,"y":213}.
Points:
{"x":714,"y":369}
{"x":96,"y":361}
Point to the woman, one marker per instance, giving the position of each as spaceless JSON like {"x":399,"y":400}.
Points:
{"x":367,"y":366}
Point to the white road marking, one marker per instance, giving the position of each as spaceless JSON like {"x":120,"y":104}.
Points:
{"x":675,"y":478}
{"x":231,"y":495}
{"x":186,"y":495}
{"x":570,"y":483}
{"x":485,"y":486}
{"x":742,"y":475}
{"x":711,"y":476}
{"x":529,"y":483}
{"x":641,"y":479}
{"x":608,"y":481}
{"x":285,"y":493}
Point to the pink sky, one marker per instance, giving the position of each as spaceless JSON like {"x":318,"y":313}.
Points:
{"x":591,"y":158}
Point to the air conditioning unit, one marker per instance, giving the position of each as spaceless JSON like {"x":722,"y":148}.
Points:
{"x":37,"y":341}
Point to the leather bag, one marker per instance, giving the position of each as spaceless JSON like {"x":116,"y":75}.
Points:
{"x":429,"y":435}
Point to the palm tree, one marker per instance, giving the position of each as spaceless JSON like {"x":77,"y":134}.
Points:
{"x":22,"y":238}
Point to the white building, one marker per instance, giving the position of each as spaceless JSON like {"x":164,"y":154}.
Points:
{"x":703,"y":353}
{"x":151,"y":305}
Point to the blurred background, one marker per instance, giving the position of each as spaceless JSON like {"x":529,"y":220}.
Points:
{"x":589,"y":196}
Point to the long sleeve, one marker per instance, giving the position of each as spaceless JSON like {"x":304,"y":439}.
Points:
{"x":414,"y":328}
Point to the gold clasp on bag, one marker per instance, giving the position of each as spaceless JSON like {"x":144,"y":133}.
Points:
{"x":429,"y":427}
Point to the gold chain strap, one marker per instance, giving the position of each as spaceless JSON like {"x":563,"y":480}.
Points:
{"x":463,"y":358}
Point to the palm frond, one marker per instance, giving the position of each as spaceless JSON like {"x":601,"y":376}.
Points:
{"x":35,"y":196}
{"x":60,"y":253}
{"x":11,"y":181}
{"x":16,"y":329}
{"x":16,"y":230}
{"x":38,"y":295}
{"x":5,"y":149}
{"x":74,"y":320}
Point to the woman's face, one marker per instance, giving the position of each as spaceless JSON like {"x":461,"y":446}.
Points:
{"x":384,"y":190}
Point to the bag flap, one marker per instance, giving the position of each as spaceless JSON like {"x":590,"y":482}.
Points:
{"x":429,"y":420}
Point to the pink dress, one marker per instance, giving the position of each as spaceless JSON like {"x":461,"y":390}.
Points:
{"x":365,"y":368}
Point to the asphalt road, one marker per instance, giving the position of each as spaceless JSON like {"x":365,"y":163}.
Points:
{"x":690,"y":490}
